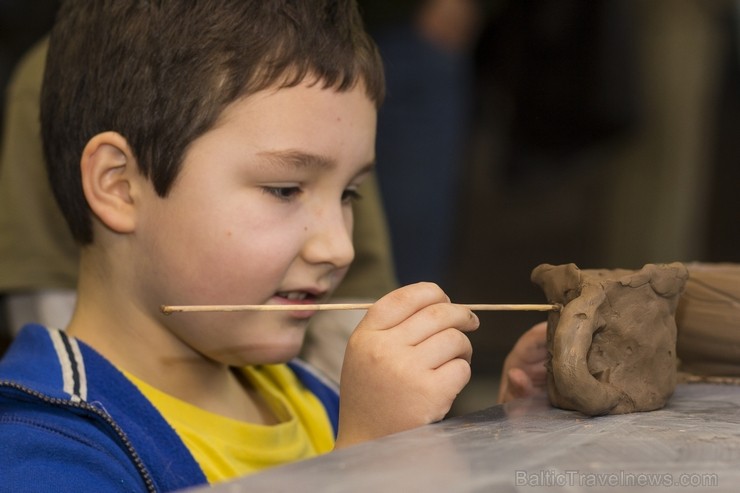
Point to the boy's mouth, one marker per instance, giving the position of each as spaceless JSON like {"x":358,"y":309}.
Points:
{"x":297,"y":297}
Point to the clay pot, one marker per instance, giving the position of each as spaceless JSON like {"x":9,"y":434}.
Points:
{"x":708,"y":320}
{"x":613,"y":345}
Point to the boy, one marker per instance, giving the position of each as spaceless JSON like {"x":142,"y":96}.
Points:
{"x":207,"y":152}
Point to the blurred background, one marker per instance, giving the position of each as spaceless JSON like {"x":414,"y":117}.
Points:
{"x":598,"y":132}
{"x":519,"y":132}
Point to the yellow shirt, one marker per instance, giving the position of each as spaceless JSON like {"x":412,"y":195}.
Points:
{"x":227,"y":448}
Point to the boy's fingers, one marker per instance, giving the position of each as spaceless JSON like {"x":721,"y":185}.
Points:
{"x":454,"y":374}
{"x":437,"y":318}
{"x":519,"y":384}
{"x":444,"y":347}
{"x":417,"y":312}
{"x":533,"y":343}
{"x":537,"y":373}
{"x":400,"y":304}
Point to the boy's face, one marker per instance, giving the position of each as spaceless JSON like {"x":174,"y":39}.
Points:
{"x":261,"y":213}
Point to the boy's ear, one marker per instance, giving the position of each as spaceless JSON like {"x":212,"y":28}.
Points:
{"x":110,"y":176}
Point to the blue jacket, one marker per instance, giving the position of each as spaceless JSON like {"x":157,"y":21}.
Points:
{"x":71,"y":422}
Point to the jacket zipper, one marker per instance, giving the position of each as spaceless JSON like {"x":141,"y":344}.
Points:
{"x":143,"y":472}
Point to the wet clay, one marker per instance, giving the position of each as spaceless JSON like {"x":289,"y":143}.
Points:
{"x":613,"y":345}
{"x":708,"y":320}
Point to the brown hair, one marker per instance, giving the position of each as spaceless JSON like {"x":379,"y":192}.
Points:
{"x":161,"y":72}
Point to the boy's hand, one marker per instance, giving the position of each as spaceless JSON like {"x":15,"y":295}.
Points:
{"x":405,"y":363}
{"x":524,"y":372}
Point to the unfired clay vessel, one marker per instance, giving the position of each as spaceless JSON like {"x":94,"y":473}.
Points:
{"x":613,"y":345}
{"x":708,"y":320}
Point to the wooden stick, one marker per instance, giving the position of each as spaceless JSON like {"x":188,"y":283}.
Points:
{"x":168,"y":309}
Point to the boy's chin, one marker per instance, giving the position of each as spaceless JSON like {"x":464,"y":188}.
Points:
{"x":265,"y":355}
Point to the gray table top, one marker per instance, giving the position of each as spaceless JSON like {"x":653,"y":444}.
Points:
{"x":693,"y":444}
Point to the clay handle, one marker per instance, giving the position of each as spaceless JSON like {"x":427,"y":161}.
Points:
{"x":579,"y":320}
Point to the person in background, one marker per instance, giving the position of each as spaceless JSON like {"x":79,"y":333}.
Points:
{"x":423,"y":125}
{"x":38,"y":256}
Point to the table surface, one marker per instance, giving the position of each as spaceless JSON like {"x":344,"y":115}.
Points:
{"x":693,"y":444}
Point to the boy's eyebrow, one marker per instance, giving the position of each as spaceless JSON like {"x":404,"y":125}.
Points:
{"x":299,"y":159}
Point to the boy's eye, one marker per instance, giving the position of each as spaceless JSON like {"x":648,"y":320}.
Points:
{"x":291,"y":192}
{"x":350,"y":195}
{"x":283,"y":193}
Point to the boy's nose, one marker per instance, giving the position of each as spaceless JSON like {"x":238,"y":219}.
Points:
{"x":330,"y":239}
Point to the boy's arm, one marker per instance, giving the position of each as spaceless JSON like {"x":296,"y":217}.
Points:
{"x":524,"y":371}
{"x":405,"y":363}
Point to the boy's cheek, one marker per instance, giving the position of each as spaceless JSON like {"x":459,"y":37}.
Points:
{"x":339,"y":276}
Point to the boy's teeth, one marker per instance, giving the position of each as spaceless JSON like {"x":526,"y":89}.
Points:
{"x":295,"y":296}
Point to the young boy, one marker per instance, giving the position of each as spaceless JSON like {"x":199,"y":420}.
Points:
{"x":208,"y":152}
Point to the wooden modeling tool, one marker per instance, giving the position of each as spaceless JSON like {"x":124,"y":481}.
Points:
{"x":168,"y":309}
